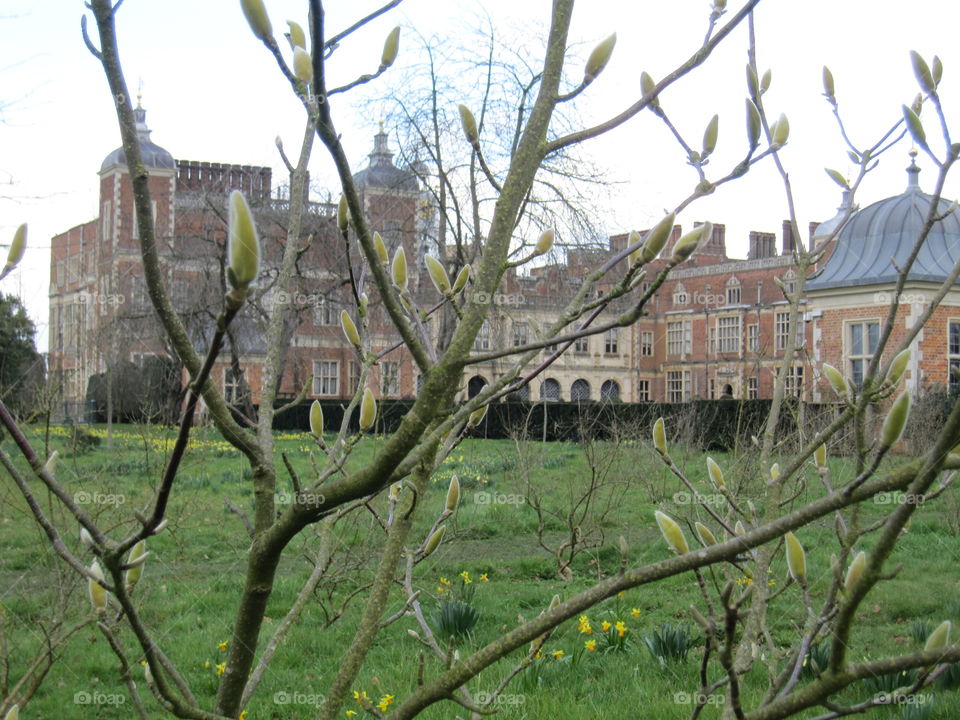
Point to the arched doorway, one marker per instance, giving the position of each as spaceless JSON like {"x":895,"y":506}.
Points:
{"x":475,"y":385}
{"x":550,"y":390}
{"x":580,"y":391}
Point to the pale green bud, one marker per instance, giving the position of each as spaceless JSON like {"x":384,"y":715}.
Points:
{"x":96,"y":591}
{"x":647,"y":86}
{"x":391,"y":47}
{"x":656,"y":238}
{"x":136,"y":559}
{"x":349,"y":328}
{"x":256,"y":14}
{"x":399,"y":268}
{"x":672,"y":533}
{"x":896,"y":420}
{"x":779,"y":132}
{"x":820,"y":456}
{"x":17,"y":248}
{"x":754,"y":126}
{"x":796,"y":558}
{"x":394,"y":492}
{"x":86,"y":538}
{"x":838,"y":178}
{"x":715,"y":473}
{"x":705,"y":534}
{"x":296,"y":37}
{"x":922,"y":72}
{"x":710,"y":135}
{"x":940,"y":637}
{"x":244,"y":245}
{"x":302,"y":65}
{"x":545,"y":242}
{"x":753,"y":85}
{"x":368,"y":410}
{"x":453,"y":494}
{"x":50,"y":466}
{"x":554,"y":602}
{"x":836,"y":379}
{"x":898,"y":366}
{"x":775,"y":472}
{"x":855,"y":570}
{"x":765,"y":81}
{"x":936,"y":69}
{"x":660,"y":437}
{"x":599,"y":58}
{"x":477,"y":416}
{"x":686,"y":245}
{"x":828,"y":87}
{"x":13,"y":713}
{"x":316,"y":418}
{"x":380,"y":248}
{"x":437,"y":274}
{"x":343,"y":214}
{"x":633,"y":238}
{"x":739,"y":530}
{"x":914,"y":126}
{"x":434,"y":540}
{"x":461,"y":282}
{"x":469,"y":124}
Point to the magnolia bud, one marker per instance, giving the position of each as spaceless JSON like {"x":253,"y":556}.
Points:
{"x":554,"y":602}
{"x":257,"y":17}
{"x":147,"y":674}
{"x":633,"y":238}
{"x":828,"y":87}
{"x":599,"y":58}
{"x":434,"y":540}
{"x":710,"y":135}
{"x":836,"y":379}
{"x":656,"y":238}
{"x":161,"y":526}
{"x":391,"y":47}
{"x":316,"y":418}
{"x":302,"y":65}
{"x":936,"y":69}
{"x":17,"y":248}
{"x":896,"y":420}
{"x":922,"y":72}
{"x":898,"y":366}
{"x":476,"y":416}
{"x":672,"y":533}
{"x":13,"y":713}
{"x":775,"y":472}
{"x":413,"y":633}
{"x":349,"y":328}
{"x":86,"y":538}
{"x":647,"y":86}
{"x":469,"y":124}
{"x":739,"y":530}
{"x":437,"y":274}
{"x":753,"y":86}
{"x":624,"y":547}
{"x":754,"y":126}
{"x":686,"y":245}
{"x":914,"y":126}
{"x":343,"y":214}
{"x":394,"y":492}
{"x":96,"y":591}
{"x":368,"y":410}
{"x":399,"y":268}
{"x":715,"y":473}
{"x":244,"y":246}
{"x":820,"y":456}
{"x":779,"y":132}
{"x":364,"y":302}
{"x":660,"y":437}
{"x":453,"y":494}
{"x":136,"y":558}
{"x":380,"y":248}
{"x":50,"y":466}
{"x":838,"y":178}
{"x":796,"y":558}
{"x":855,"y":570}
{"x":765,"y":81}
{"x":544,"y":243}
{"x":461,"y":282}
{"x":940,"y":637}
{"x":296,"y":37}
{"x":704,"y":533}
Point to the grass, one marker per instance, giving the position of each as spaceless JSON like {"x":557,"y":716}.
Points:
{"x":192,"y":580}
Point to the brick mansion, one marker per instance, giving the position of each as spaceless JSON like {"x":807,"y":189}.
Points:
{"x":718,"y":326}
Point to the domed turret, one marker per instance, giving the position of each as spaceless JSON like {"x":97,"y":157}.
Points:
{"x":153,"y":155}
{"x":381,"y":173}
{"x":878,"y":239}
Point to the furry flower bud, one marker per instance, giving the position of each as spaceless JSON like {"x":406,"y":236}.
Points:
{"x":244,"y":245}
{"x":399,"y":268}
{"x":599,"y":58}
{"x":136,"y":558}
{"x":656,"y":238}
{"x":461,"y":282}
{"x":855,"y":570}
{"x":296,"y":37}
{"x":17,"y":248}
{"x":343,"y":214}
{"x":836,"y":379}
{"x":896,"y":420}
{"x":686,"y":245}
{"x":316,"y":418}
{"x":715,"y":473}
{"x":754,"y":126}
{"x":705,"y":534}
{"x":434,"y":542}
{"x":911,"y":118}
{"x":796,"y":558}
{"x":898,"y":366}
{"x":256,"y":14}
{"x":922,"y":72}
{"x":391,"y":47}
{"x":779,"y":132}
{"x":672,"y":533}
{"x":544,"y":243}
{"x":660,"y":437}
{"x":302,"y":65}
{"x":453,"y":494}
{"x":828,"y":87}
{"x":710,"y":136}
{"x":820,"y":456}
{"x":437,"y":274}
{"x":368,"y":410}
{"x":477,"y":416}
{"x":96,"y":591}
{"x":349,"y":328}
{"x":940,"y":637}
{"x":469,"y":125}
{"x":380,"y":248}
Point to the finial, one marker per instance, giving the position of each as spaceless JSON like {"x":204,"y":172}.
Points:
{"x":913,"y":172}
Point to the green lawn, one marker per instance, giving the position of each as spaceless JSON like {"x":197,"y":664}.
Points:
{"x":193,"y":578}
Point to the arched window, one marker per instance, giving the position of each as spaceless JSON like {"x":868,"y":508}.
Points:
{"x":475,"y":385}
{"x":521,"y":393}
{"x":733,"y":290}
{"x":550,"y":390}
{"x":580,"y":390}
{"x":610,"y":390}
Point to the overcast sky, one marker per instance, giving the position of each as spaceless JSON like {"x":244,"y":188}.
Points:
{"x":213,"y":93}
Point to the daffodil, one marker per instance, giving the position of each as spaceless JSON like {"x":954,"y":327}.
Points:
{"x":635,"y":612}
{"x":590,"y":645}
{"x":604,"y":626}
{"x":484,"y":578}
{"x":465,"y":576}
{"x":221,"y":668}
{"x":557,"y":654}
{"x":384,"y":702}
{"x":620,"y":628}
{"x":222,"y":646}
